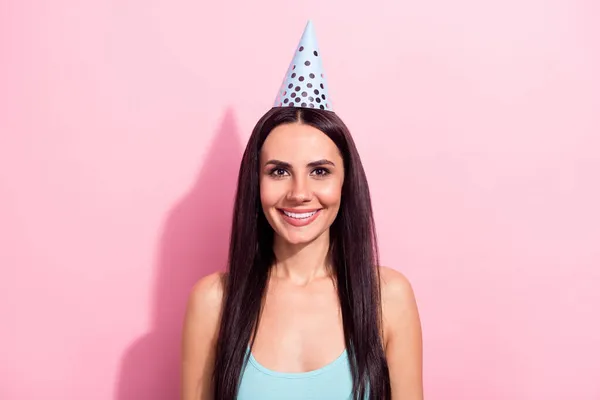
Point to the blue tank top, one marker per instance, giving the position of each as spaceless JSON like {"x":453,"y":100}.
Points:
{"x":332,"y":382}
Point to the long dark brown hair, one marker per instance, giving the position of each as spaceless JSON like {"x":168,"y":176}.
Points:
{"x":353,"y":255}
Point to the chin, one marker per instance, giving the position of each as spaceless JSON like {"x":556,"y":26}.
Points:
{"x":293,"y":236}
{"x":295,"y":239}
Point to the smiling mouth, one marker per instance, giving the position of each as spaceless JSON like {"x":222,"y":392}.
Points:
{"x":300,"y":216}
{"x":299,"y":219}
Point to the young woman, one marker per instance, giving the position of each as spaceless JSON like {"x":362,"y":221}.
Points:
{"x":304,"y":310}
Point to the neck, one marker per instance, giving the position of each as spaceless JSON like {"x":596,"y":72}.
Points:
{"x":301,"y":264}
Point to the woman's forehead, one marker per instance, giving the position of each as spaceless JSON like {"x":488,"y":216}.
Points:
{"x":298,"y":141}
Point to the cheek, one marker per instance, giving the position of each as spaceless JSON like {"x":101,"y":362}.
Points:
{"x":269,"y":193}
{"x":330,"y":194}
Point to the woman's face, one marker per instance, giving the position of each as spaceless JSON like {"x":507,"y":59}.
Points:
{"x":301,"y":177}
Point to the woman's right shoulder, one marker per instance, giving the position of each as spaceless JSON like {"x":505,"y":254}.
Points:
{"x":200,"y":331}
{"x":207,"y":293}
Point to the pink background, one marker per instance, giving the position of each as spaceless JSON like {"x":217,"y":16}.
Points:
{"x":122,"y":125}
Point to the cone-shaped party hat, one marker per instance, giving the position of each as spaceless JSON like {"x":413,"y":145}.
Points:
{"x":304,"y":84}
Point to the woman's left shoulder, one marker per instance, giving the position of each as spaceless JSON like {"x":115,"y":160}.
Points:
{"x":398,"y":302}
{"x":395,"y":286}
{"x":402,"y":335}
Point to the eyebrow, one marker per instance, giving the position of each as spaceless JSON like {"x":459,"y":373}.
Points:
{"x":311,"y":164}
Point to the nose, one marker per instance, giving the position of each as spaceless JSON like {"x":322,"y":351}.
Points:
{"x":300,"y":190}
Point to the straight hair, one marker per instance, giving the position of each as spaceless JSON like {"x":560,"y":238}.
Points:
{"x":353,"y":256}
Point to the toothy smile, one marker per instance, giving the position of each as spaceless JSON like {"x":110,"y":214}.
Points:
{"x":299,"y":215}
{"x":299,"y":218}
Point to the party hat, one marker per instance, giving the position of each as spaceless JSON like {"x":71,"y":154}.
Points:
{"x":304,"y":84}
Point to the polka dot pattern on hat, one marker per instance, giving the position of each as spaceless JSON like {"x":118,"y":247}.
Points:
{"x":304,"y":84}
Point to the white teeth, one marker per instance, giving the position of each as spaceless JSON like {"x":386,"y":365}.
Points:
{"x":300,"y":216}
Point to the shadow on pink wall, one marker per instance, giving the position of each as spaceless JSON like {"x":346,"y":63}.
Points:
{"x":194,"y":244}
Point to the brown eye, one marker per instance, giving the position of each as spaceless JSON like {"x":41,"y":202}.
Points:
{"x":278,"y":172}
{"x":321,"y":171}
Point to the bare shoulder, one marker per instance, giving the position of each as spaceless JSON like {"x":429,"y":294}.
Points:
{"x":200,"y":331}
{"x":402,"y":335}
{"x":207,"y":293}
{"x":399,"y":305}
{"x":204,"y":305}
{"x":396,"y":290}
